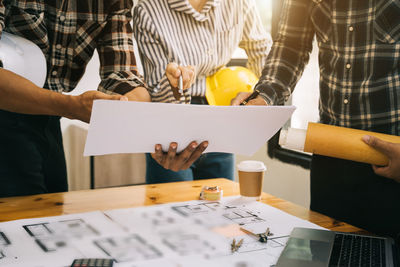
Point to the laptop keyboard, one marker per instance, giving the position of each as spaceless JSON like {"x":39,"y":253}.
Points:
{"x":353,"y":250}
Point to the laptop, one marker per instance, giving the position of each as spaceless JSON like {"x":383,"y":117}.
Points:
{"x":313,"y":247}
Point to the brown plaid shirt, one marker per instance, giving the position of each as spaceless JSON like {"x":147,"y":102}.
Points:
{"x":68,"y":32}
{"x":359,"y":60}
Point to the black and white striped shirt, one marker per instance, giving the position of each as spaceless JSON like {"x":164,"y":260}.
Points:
{"x":173,"y":31}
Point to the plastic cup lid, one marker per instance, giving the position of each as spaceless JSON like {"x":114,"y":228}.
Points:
{"x":251,"y":166}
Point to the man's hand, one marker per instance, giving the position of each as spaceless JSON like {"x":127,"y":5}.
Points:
{"x":139,"y":94}
{"x":174,"y":71}
{"x":182,"y":161}
{"x":392,"y":151}
{"x":258,"y":101}
{"x":81,"y":106}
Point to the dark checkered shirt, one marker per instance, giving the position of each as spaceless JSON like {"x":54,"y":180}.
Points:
{"x":359,"y":52}
{"x":68,"y":32}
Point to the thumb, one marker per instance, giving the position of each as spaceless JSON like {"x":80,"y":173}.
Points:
{"x":123,"y":98}
{"x":378,"y":144}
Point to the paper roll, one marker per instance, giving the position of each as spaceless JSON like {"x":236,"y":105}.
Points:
{"x":293,"y":139}
{"x":345,"y":143}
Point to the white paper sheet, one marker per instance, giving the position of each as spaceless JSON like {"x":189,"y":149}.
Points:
{"x":184,"y":234}
{"x":134,"y":127}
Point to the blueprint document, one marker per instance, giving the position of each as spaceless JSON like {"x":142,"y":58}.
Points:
{"x":194,"y":233}
{"x":136,"y":127}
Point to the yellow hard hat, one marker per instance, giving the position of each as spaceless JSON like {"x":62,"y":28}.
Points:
{"x":226,"y":83}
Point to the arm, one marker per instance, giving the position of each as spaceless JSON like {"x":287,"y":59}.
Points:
{"x":155,"y":58}
{"x":255,"y":41}
{"x":289,"y":55}
{"x":290,"y":52}
{"x":392,"y":151}
{"x":118,"y":69}
{"x":17,"y":94}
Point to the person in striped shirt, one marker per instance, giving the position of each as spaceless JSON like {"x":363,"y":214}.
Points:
{"x":359,"y":62}
{"x":194,"y":39}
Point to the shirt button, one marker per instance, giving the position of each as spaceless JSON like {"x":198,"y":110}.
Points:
{"x":348,"y":66}
{"x":62,"y":18}
{"x":58,"y":46}
{"x":346,"y":101}
{"x":54,"y":73}
{"x":351,"y":28}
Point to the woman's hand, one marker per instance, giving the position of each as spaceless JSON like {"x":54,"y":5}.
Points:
{"x":174,"y":71}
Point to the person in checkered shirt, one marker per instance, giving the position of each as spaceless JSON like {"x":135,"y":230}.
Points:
{"x":359,"y":61}
{"x":68,"y":32}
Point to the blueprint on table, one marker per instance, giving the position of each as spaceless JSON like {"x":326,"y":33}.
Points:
{"x":194,"y":233}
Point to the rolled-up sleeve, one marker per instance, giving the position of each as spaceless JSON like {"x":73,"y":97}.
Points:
{"x":118,"y":69}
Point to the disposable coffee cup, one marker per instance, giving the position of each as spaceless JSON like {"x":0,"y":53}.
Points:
{"x":251,"y":176}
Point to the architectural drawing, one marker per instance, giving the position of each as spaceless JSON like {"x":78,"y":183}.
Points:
{"x":194,"y":233}
{"x":128,"y":248}
{"x":53,"y":236}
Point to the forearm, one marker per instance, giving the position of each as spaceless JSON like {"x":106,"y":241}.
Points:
{"x":18,"y":94}
{"x":290,"y":52}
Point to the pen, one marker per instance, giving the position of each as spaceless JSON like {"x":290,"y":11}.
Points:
{"x":180,"y":85}
{"x":252,"y":96}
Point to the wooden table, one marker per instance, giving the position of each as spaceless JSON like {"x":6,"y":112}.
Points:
{"x":143,"y":195}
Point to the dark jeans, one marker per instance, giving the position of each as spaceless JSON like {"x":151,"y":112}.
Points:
{"x":351,"y":192}
{"x":31,"y":155}
{"x":209,"y":165}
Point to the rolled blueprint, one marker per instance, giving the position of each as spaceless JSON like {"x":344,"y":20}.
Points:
{"x":337,"y":142}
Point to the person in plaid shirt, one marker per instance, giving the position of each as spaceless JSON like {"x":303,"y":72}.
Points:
{"x":31,"y":150}
{"x":359,"y":60}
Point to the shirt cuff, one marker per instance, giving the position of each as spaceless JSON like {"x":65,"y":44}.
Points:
{"x":267,"y":93}
{"x":121,"y":83}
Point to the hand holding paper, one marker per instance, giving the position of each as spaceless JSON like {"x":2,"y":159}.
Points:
{"x":136,"y":127}
{"x":182,"y":161}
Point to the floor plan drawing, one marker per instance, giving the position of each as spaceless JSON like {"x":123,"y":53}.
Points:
{"x":193,"y":233}
{"x":128,"y":248}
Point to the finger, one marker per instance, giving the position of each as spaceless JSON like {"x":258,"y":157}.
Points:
{"x":123,"y":98}
{"x":186,"y":76}
{"x":169,"y":160}
{"x":380,"y":145}
{"x":240,"y":97}
{"x":382,"y":171}
{"x":196,"y":154}
{"x":185,"y":156}
{"x":173,"y":72}
{"x":258,"y":101}
{"x":173,"y":69}
{"x":158,"y":154}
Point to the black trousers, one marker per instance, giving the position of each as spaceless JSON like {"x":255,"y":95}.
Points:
{"x":351,"y":192}
{"x":32,"y":157}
